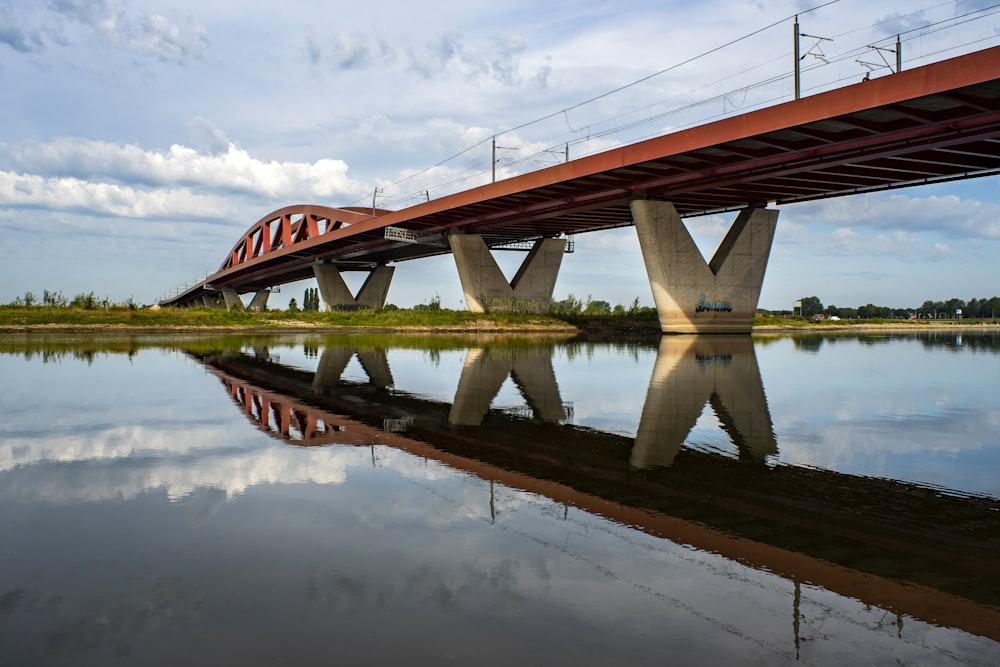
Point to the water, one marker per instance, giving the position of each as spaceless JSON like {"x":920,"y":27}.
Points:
{"x":436,"y":500}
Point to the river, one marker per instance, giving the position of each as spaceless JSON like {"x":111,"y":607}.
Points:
{"x":494,"y":500}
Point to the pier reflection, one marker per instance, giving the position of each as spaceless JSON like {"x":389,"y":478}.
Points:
{"x":911,"y":550}
{"x":486,"y":369}
{"x":689,"y":372}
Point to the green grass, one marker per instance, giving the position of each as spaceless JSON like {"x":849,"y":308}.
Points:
{"x":186,"y":318}
{"x":805,"y":323}
{"x":167,"y":319}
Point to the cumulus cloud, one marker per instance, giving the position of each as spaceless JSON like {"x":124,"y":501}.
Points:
{"x":116,"y":168}
{"x":903,"y":244}
{"x":207,"y":137}
{"x":973,"y":5}
{"x":948,"y":215}
{"x":104,"y":199}
{"x":96,"y":14}
{"x":500,"y":60}
{"x":504,"y":66}
{"x":114,"y":27}
{"x":15,"y":37}
{"x":433,"y":58}
{"x":156,"y":35}
{"x":349,"y":51}
{"x":897,"y":23}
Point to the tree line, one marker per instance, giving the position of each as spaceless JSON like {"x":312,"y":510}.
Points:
{"x":572,"y":305}
{"x":984,"y":308}
{"x":310,"y":301}
{"x":82,"y":300}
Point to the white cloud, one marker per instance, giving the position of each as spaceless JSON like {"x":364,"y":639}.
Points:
{"x":207,"y":137}
{"x":432,"y":59}
{"x":115,"y":27}
{"x":948,"y":215}
{"x":156,"y":35}
{"x":13,"y":36}
{"x":104,"y":199}
{"x":346,"y":50}
{"x":107,"y":175}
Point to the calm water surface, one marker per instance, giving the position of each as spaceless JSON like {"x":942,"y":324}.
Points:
{"x":398,"y":500}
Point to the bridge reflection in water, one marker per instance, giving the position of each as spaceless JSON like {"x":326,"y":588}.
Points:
{"x":908,"y":549}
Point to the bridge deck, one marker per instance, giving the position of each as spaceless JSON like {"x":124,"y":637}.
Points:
{"x":935,"y":123}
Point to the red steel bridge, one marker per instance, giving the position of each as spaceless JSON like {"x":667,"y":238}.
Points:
{"x":931,"y":124}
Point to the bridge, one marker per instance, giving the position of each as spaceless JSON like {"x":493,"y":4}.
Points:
{"x":932,"y":124}
{"x":807,"y":525}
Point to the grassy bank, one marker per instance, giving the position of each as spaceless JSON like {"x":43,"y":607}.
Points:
{"x":26,"y":318}
{"x":14,"y":318}
{"x":765,"y":323}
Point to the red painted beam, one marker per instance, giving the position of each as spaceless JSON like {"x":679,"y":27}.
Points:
{"x":587,"y":193}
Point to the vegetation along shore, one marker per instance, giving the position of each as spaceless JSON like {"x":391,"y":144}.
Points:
{"x":642,"y":322}
{"x":85,"y":312}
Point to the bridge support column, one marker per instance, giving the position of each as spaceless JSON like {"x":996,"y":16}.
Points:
{"x":375,"y":289}
{"x":232,"y":299}
{"x":259,"y":301}
{"x":487,"y":289}
{"x":335,"y":291}
{"x":690,"y":295}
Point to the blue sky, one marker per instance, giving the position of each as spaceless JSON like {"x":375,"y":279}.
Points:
{"x":139,"y":139}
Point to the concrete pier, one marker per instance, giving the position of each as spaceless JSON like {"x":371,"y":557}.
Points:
{"x":335,"y":292}
{"x":487,"y":289}
{"x":232,"y":300}
{"x":259,"y":302}
{"x":690,"y":295}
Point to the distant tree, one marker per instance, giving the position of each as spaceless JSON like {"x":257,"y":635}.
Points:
{"x":992,"y":307}
{"x":871,"y":311}
{"x":954,"y":305}
{"x":85,"y":301}
{"x":293,"y":305}
{"x":568,"y":306}
{"x":811,"y":305}
{"x":310,"y":301}
{"x":54,"y":299}
{"x":597,"y":307}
